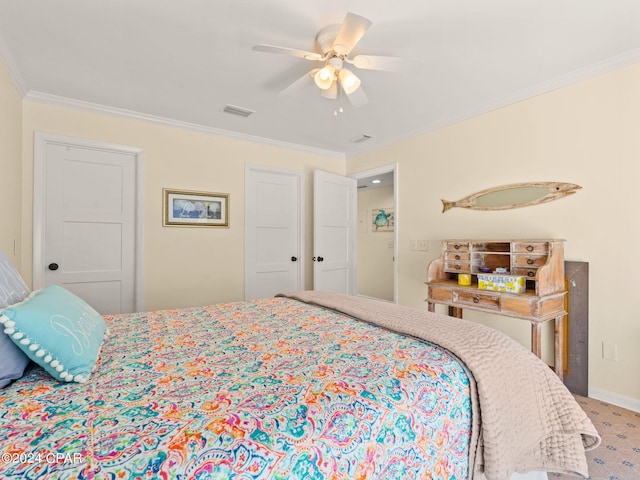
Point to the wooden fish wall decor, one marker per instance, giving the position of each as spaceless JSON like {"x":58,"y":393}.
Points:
{"x":516,"y":195}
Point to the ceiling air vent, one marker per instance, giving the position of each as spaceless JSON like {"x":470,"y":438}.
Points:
{"x":361,"y":138}
{"x":243,"y":112}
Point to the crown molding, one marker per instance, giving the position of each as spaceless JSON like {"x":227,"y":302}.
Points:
{"x":10,"y":64}
{"x":600,"y":68}
{"x":42,"y":97}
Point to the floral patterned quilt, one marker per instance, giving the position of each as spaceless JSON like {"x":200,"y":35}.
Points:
{"x":270,"y":389}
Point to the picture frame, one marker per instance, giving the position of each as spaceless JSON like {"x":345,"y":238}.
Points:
{"x":383,"y":219}
{"x":187,"y":208}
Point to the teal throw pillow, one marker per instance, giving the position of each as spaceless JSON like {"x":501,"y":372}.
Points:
{"x":57,"y":330}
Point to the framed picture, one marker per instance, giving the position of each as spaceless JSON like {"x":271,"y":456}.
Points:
{"x":383,"y":219}
{"x":201,"y":209}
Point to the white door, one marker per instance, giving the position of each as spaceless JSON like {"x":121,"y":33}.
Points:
{"x":334,"y":225}
{"x":89,"y":233}
{"x":273,"y":232}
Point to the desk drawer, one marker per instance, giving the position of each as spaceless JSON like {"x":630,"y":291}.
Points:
{"x":457,"y":267}
{"x":533,"y":247}
{"x":530,"y":273}
{"x":457,"y":257}
{"x":438,"y":294}
{"x":457,"y":246}
{"x":529,"y":260}
{"x":482,"y":300}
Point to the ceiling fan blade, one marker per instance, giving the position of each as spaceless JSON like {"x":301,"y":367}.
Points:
{"x":358,"y":98}
{"x":389,"y":64}
{"x":299,"y":84}
{"x":287,"y":51}
{"x":352,"y":29}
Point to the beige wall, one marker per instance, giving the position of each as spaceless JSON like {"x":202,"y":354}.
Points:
{"x":588,"y":134}
{"x":182,"y":266}
{"x":375,"y":249}
{"x":10,"y":167}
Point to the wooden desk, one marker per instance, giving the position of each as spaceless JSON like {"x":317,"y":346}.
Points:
{"x":540,"y":261}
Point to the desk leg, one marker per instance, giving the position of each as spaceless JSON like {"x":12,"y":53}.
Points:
{"x":455,"y":312}
{"x":536,"y":339}
{"x":431,"y":306}
{"x":559,"y":347}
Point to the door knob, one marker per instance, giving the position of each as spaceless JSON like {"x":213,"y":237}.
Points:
{"x":321,"y":259}
{"x":294,"y":259}
{"x":53,"y":267}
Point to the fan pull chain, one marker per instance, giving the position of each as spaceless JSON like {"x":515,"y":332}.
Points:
{"x":340,"y":109}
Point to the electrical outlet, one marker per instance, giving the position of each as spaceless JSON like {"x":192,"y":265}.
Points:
{"x":413,"y":245}
{"x":610,"y":351}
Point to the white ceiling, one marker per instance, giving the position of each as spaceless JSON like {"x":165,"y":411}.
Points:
{"x":181,"y":62}
{"x":382,"y":180}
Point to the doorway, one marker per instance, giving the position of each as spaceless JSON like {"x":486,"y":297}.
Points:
{"x":376,"y":233}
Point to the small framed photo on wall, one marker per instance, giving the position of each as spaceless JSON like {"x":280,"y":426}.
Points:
{"x":383,"y":219}
{"x":195,"y":209}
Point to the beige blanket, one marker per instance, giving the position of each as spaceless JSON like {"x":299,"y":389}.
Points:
{"x":524,"y":418}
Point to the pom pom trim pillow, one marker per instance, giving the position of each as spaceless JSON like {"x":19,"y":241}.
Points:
{"x":57,"y":330}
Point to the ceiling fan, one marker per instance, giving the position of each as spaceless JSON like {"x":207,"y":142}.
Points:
{"x":335,"y":43}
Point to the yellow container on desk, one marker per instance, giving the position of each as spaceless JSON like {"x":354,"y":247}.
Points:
{"x":464,"y":279}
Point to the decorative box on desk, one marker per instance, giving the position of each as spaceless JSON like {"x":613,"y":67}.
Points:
{"x":502,"y":283}
{"x":540,"y":261}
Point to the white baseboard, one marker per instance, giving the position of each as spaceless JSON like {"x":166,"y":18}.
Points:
{"x":615,"y":399}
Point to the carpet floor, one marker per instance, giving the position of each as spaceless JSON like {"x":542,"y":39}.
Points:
{"x":618,"y":456}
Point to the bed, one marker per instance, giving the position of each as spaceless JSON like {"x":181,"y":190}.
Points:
{"x":300,"y":386}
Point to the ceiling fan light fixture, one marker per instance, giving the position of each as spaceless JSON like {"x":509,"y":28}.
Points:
{"x":324,"y":77}
{"x":350,"y":83}
{"x":332,"y":92}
